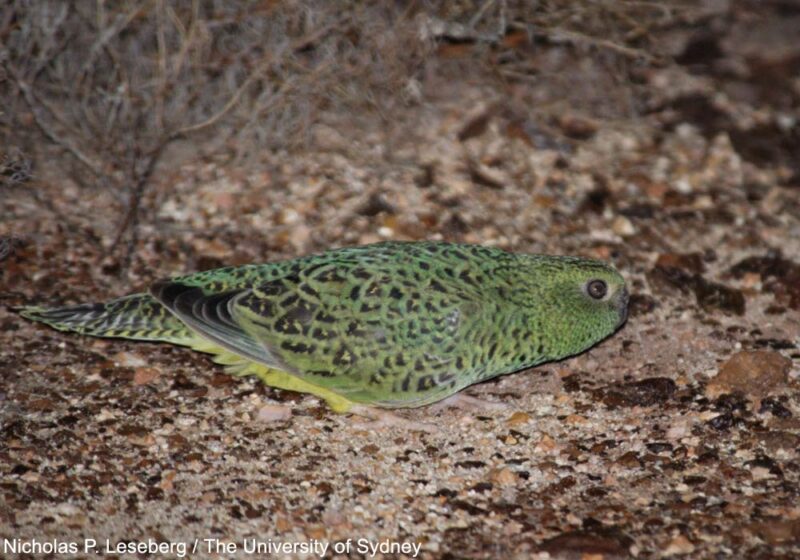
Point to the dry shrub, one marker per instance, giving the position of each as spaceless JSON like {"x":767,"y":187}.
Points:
{"x":110,"y":81}
{"x":113,"y":83}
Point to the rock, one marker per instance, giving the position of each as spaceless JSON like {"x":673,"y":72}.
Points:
{"x":609,"y":542}
{"x":629,"y":460}
{"x":375,"y":204}
{"x":518,"y":418}
{"x":647,"y":392}
{"x":691,"y":262}
{"x":503,"y":477}
{"x":774,"y":407}
{"x":577,"y":127}
{"x":641,"y":304}
{"x":623,"y":227}
{"x":680,"y":429}
{"x":713,"y":296}
{"x":596,"y":200}
{"x":780,"y":276}
{"x":679,"y":545}
{"x":668,"y":279}
{"x":546,"y":444}
{"x":273,"y":413}
{"x":144,"y":375}
{"x":317,"y":532}
{"x":753,"y":373}
{"x":128,"y":359}
{"x":779,"y":440}
{"x":576,"y":420}
{"x":778,"y":531}
{"x":683,"y":272}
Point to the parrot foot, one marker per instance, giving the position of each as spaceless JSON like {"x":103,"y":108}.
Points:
{"x":465,"y":402}
{"x":384,"y":419}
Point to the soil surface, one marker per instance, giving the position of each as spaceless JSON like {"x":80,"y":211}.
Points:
{"x":679,"y":436}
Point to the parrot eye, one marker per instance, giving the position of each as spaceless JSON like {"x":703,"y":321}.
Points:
{"x":597,"y":289}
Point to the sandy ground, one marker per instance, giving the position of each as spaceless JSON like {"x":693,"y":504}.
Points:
{"x":678,"y":436}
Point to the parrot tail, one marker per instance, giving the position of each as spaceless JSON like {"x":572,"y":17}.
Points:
{"x":135,"y":317}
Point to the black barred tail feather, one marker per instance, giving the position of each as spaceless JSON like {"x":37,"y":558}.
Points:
{"x":135,"y":317}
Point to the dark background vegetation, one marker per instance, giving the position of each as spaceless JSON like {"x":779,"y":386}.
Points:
{"x":107,"y":91}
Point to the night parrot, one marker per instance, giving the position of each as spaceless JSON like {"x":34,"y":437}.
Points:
{"x":387,"y":325}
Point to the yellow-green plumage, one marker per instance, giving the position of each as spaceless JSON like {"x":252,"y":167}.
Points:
{"x":390,"y":325}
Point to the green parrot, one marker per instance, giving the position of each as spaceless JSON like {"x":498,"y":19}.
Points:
{"x":389,"y":325}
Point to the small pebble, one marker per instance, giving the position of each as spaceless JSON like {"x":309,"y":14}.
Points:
{"x":273,"y":413}
{"x":128,"y":359}
{"x":144,"y":375}
{"x":503,"y":477}
{"x":679,"y":545}
{"x":518,"y":418}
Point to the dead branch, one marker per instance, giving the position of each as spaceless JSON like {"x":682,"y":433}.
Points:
{"x":265,"y":63}
{"x":131,"y":217}
{"x":105,"y":37}
{"x":33,"y":105}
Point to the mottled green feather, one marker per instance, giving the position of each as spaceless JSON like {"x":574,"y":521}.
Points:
{"x":392,"y":324}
